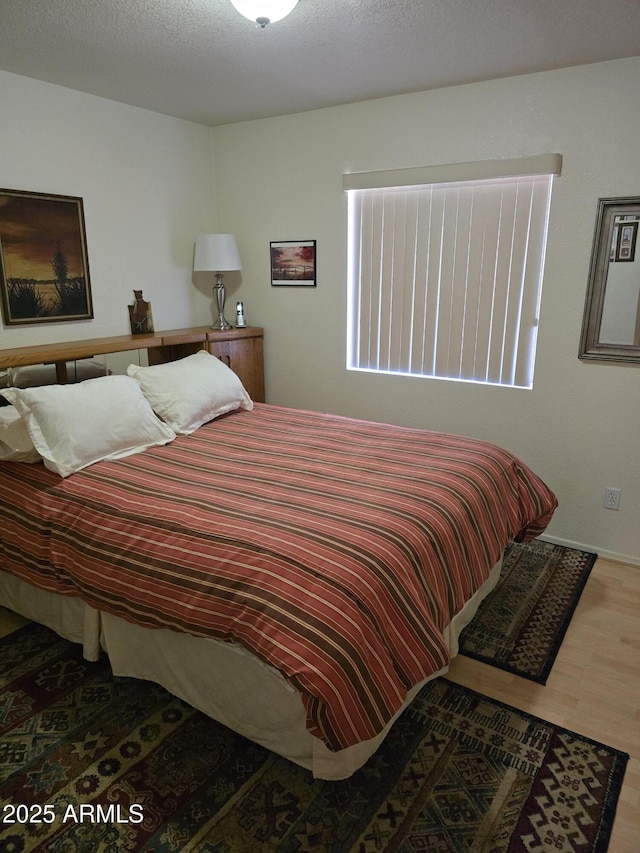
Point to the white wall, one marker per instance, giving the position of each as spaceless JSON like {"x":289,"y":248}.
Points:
{"x":146,"y":184}
{"x":281,"y":179}
{"x":621,"y":306}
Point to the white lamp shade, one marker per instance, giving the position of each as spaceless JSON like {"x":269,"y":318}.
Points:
{"x":271,"y":10}
{"x":216,"y":253}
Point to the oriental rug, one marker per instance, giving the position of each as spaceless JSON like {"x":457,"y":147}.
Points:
{"x":521,"y":624}
{"x":90,"y":762}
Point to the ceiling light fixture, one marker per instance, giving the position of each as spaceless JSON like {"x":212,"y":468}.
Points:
{"x":264,"y":12}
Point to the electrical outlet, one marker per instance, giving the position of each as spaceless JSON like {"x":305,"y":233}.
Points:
{"x":611,"y":499}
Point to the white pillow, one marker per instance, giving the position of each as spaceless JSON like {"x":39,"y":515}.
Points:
{"x":15,"y":441}
{"x":191,"y":391}
{"x":73,"y":426}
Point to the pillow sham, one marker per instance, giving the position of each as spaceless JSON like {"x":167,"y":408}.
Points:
{"x":15,"y":441}
{"x":191,"y":391}
{"x":73,"y":426}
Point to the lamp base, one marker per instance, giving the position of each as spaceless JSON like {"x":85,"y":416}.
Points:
{"x":218,"y":291}
{"x":221,"y":325}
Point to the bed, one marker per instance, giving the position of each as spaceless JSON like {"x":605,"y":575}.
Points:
{"x":296,"y":575}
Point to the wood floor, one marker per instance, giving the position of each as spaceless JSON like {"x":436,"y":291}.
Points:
{"x":593,"y":689}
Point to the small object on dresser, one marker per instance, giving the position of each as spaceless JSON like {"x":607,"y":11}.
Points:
{"x":240,"y":323}
{"x":140,"y":315}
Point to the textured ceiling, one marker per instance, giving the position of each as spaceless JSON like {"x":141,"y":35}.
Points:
{"x":200,"y":60}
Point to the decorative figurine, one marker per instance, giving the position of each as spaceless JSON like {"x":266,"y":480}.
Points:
{"x":140,"y":315}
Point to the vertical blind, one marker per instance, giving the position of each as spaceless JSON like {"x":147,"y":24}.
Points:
{"x":445,"y":278}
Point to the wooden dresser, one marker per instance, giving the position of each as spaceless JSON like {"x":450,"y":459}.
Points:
{"x":240,"y":349}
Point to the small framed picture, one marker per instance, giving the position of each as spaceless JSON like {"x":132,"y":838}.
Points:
{"x":626,"y":243}
{"x":44,"y":269}
{"x":293,"y":263}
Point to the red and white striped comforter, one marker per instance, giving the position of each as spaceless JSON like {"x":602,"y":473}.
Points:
{"x":336,"y":550}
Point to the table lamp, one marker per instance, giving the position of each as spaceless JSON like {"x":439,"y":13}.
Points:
{"x":217,"y":253}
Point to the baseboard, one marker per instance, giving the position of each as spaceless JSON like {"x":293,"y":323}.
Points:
{"x":606,"y":555}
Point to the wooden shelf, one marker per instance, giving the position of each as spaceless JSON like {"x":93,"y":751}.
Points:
{"x":241,"y":349}
{"x":73,"y":350}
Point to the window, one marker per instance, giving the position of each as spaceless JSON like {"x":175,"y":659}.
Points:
{"x":445,"y":269}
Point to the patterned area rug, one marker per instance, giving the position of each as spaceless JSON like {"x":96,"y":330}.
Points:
{"x":93,"y":763}
{"x":520,"y":626}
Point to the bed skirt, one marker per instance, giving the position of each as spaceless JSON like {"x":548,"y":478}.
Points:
{"x":222,"y":680}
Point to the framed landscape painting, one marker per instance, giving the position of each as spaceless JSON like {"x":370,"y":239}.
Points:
{"x":44,"y":269}
{"x":626,"y":241}
{"x":293,"y":263}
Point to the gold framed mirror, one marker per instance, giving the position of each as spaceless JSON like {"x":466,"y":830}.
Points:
{"x":611,"y":323}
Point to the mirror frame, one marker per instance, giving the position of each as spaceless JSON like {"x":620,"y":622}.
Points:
{"x":590,"y":348}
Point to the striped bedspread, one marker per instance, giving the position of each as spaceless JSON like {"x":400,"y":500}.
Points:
{"x":336,"y":550}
